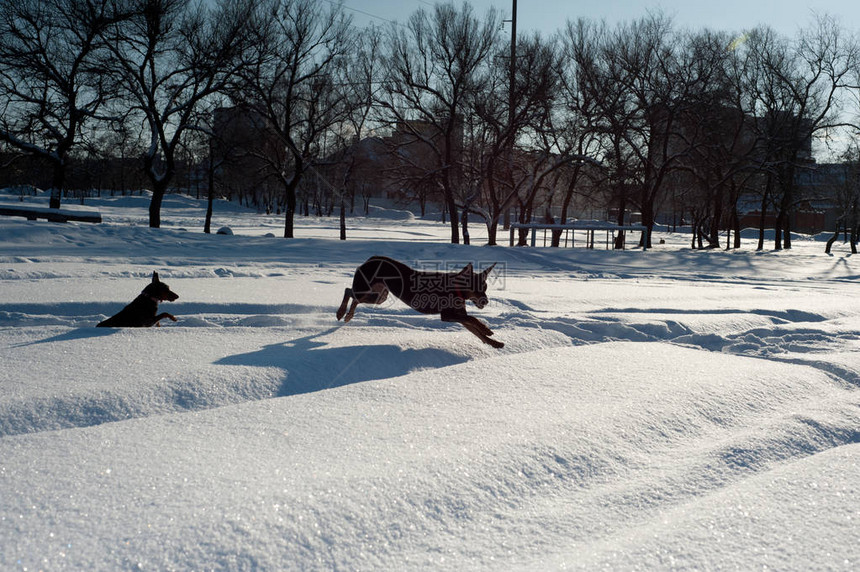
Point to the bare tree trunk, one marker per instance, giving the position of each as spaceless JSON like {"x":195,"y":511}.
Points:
{"x":622,"y":206}
{"x":777,"y":230}
{"x":342,"y":219}
{"x":207,"y":227}
{"x":736,"y":225}
{"x":648,"y":223}
{"x":832,"y":239}
{"x":565,"y":205}
{"x":57,"y":183}
{"x":714,"y":231}
{"x":455,"y":223}
{"x":159,"y":189}
{"x":492,"y":233}
{"x":290,"y":209}
{"x":763,"y":214}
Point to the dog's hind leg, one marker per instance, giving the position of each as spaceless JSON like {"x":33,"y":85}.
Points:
{"x":351,"y":312}
{"x":347,"y":294}
{"x":378,"y":294}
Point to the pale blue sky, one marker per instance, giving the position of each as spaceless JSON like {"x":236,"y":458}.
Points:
{"x":786,"y":16}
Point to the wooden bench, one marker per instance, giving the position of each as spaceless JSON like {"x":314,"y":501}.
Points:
{"x":590,"y":227}
{"x":79,"y":214}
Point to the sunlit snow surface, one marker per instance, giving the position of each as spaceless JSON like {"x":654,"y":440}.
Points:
{"x":668,"y":409}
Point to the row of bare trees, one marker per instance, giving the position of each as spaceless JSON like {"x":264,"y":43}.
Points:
{"x":639,"y":116}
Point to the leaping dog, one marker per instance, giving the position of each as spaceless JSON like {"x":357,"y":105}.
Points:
{"x":442,"y":293}
{"x":141,"y":313}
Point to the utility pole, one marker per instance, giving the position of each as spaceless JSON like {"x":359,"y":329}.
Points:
{"x":513,"y":71}
{"x":511,"y":103}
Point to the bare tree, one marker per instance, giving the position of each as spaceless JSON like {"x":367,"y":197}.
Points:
{"x":295,"y":86}
{"x":361,"y":82}
{"x":847,"y":195}
{"x":547,"y":141}
{"x":797,"y":99}
{"x":515,"y":151}
{"x":579,"y":44}
{"x":51,"y":77}
{"x":169,"y":56}
{"x":432,"y":66}
{"x":616,"y":115}
{"x":713,"y":132}
{"x":486,"y":162}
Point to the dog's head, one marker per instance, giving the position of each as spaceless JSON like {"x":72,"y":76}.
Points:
{"x":158,"y":290}
{"x":474,"y":284}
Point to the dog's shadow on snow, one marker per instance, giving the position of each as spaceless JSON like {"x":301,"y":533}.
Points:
{"x":311,"y":365}
{"x":76,"y":334}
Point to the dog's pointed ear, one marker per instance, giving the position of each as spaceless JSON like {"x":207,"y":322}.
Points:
{"x":487,"y":271}
{"x":467,"y":269}
{"x":154,"y":277}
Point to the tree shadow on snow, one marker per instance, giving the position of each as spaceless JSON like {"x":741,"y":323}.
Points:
{"x":310,"y":365}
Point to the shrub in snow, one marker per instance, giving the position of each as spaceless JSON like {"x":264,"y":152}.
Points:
{"x":225,"y":230}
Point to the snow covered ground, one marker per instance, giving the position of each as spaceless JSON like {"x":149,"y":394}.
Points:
{"x":667,"y":409}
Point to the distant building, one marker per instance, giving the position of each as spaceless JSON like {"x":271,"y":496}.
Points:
{"x":404,"y":165}
{"x":819,"y":187}
{"x":242,"y":148}
{"x":720,"y":154}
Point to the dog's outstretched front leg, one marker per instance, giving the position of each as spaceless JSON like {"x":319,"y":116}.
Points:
{"x":162,"y":316}
{"x":474,"y":325}
{"x":482,"y":331}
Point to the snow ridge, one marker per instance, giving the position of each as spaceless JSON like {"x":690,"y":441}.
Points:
{"x":659,"y":410}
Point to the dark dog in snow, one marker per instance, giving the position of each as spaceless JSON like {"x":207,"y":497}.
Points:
{"x":141,"y":313}
{"x":442,"y":293}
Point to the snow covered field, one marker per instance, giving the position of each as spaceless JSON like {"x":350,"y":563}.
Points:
{"x":651,"y":410}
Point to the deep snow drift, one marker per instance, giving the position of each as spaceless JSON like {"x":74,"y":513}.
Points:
{"x":651,"y":410}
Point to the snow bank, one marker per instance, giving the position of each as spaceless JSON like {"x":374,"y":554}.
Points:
{"x":545,"y":456}
{"x":659,"y":410}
